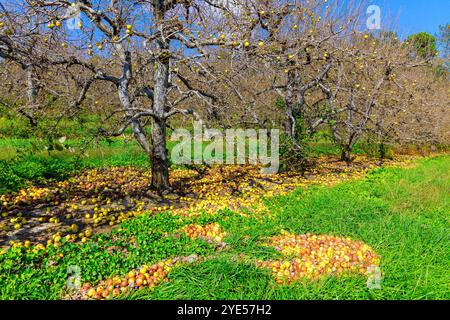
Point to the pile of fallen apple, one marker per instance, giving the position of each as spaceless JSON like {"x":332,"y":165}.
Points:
{"x":145,"y":277}
{"x":211,"y":232}
{"x":313,"y":256}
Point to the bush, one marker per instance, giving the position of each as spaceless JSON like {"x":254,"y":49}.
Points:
{"x":29,"y":170}
{"x":9,"y":180}
{"x":376,"y":150}
{"x":14,"y":127}
{"x":293,"y":156}
{"x":19,"y":173}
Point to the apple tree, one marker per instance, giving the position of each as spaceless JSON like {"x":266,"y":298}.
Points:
{"x":150,"y":51}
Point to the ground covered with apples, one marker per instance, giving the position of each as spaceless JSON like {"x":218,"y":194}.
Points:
{"x":230,"y":232}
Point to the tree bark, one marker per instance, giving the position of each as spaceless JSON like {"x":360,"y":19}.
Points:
{"x":159,"y":154}
{"x":159,"y":157}
{"x":382,"y":151}
{"x":32,"y":94}
{"x":346,"y":155}
{"x":125,"y":100}
{"x":292,"y":104}
{"x":138,"y":131}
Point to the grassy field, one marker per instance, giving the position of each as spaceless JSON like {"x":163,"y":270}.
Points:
{"x":26,"y":161}
{"x":402,"y":213}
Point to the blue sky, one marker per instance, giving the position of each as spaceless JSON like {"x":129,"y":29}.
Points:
{"x":414,"y":16}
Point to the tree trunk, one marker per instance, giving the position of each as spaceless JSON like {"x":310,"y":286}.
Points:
{"x":292,"y":104}
{"x":346,"y":155}
{"x":290,"y":126}
{"x":32,"y":94}
{"x":382,"y":150}
{"x":159,"y":157}
{"x":159,"y":154}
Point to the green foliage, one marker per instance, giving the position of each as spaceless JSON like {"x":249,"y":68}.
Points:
{"x":32,"y":161}
{"x":280,"y":104}
{"x":293,"y":156}
{"x":441,"y":71}
{"x":9,"y":180}
{"x":17,"y":127}
{"x":424,"y":44}
{"x":17,"y":174}
{"x":375,"y":149}
{"x":142,"y":240}
{"x":13,"y":125}
{"x":387,"y":210}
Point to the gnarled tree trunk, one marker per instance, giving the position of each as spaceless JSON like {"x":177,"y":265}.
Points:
{"x":32,"y":93}
{"x":292,"y":104}
{"x":346,"y":154}
{"x":159,"y":154}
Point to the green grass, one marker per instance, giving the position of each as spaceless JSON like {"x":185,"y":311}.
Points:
{"x":25,"y":161}
{"x":43,"y":275}
{"x":402,"y":213}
